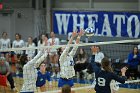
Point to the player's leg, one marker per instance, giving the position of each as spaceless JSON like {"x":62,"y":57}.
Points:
{"x":11,"y":80}
{"x":52,"y":64}
{"x":43,"y":88}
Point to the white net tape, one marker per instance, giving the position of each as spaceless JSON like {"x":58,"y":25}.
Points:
{"x":71,"y":45}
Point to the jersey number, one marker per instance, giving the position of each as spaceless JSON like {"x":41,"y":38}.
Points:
{"x":71,"y":63}
{"x":101,"y":81}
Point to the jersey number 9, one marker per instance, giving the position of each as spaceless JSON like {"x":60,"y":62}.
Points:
{"x":101,"y":81}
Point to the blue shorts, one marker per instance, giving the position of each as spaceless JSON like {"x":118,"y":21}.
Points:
{"x":40,"y":84}
{"x":62,"y":82}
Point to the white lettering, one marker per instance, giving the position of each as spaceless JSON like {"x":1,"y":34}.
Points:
{"x":91,"y":21}
{"x":119,"y":19}
{"x":62,"y":22}
{"x":137,"y":26}
{"x":106,"y":30}
{"x":75,"y":23}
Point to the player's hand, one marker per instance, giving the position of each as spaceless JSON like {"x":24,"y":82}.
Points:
{"x":123,"y":70}
{"x":81,"y":33}
{"x":74,"y":34}
{"x":135,"y":56}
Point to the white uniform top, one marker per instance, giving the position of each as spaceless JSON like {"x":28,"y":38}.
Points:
{"x":18,"y":44}
{"x":139,"y":46}
{"x":67,"y":63}
{"x":98,"y":57}
{"x":30,"y":53}
{"x":41,"y":45}
{"x":5,"y":43}
{"x":30,"y":72}
{"x":56,"y":42}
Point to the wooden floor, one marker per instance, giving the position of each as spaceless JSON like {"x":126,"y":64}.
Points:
{"x":19,"y":82}
{"x":121,"y":90}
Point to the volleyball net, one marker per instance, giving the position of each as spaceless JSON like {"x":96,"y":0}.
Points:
{"x":116,"y":51}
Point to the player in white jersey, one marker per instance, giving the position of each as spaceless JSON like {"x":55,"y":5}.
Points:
{"x":67,"y":63}
{"x":30,"y":72}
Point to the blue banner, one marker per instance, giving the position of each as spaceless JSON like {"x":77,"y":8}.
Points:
{"x":111,"y":24}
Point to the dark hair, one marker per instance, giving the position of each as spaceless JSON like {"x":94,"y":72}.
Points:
{"x":134,"y":48}
{"x":18,"y":35}
{"x":106,"y":65}
{"x":80,"y":56}
{"x":99,"y":47}
{"x":4,"y":33}
{"x":28,"y":43}
{"x":59,"y":51}
{"x":66,"y":89}
{"x":46,"y":35}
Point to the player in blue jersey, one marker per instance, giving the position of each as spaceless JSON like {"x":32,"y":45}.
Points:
{"x":67,"y":63}
{"x":43,"y":75}
{"x":105,"y":75}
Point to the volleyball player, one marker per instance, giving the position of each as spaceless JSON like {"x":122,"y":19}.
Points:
{"x":30,"y":72}
{"x":42,"y":76}
{"x":105,"y":75}
{"x":67,"y":63}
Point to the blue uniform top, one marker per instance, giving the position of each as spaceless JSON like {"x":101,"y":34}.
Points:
{"x":103,"y":79}
{"x":133,"y":62}
{"x":41,"y":78}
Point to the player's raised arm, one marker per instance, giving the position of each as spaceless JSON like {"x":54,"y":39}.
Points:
{"x":73,"y":51}
{"x":121,"y":79}
{"x":31,"y":62}
{"x":66,"y":50}
{"x":41,"y":59}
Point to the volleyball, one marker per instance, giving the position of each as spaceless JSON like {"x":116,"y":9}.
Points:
{"x":89,"y":31}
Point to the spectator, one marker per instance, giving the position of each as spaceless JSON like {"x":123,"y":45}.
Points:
{"x":98,"y":56}
{"x":4,"y":44}
{"x":18,"y":43}
{"x":5,"y":70}
{"x":42,"y":40}
{"x":30,"y":53}
{"x":5,"y":41}
{"x":133,"y":62}
{"x":81,"y":62}
{"x":89,"y":67}
{"x":53,"y":56}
